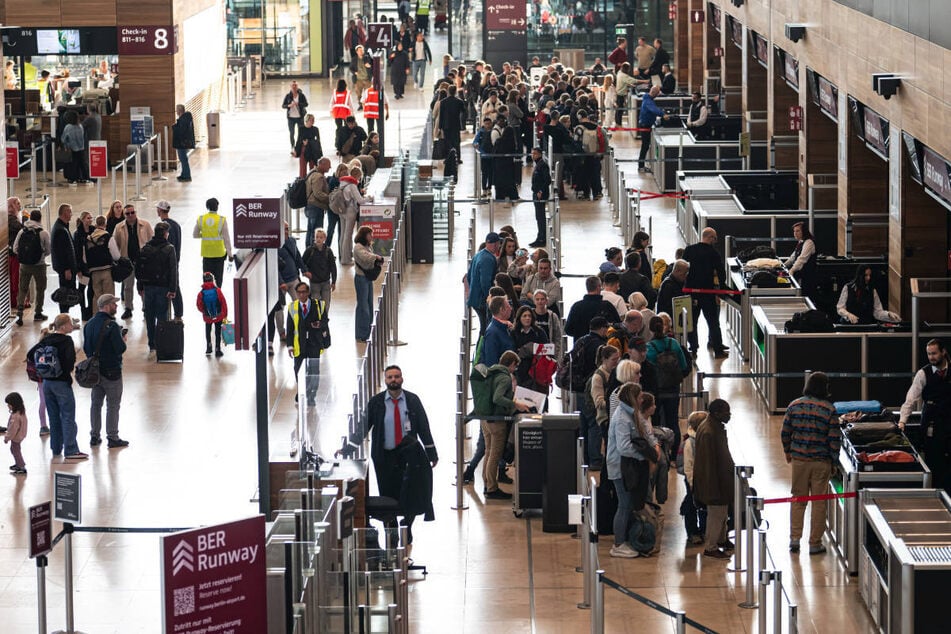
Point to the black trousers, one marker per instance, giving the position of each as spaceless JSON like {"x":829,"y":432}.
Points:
{"x":215,"y":266}
{"x":293,"y":125}
{"x":936,"y":448}
{"x":64,"y":283}
{"x":707,"y":306}
{"x":645,"y":148}
{"x":540,"y":220}
{"x":390,"y":479}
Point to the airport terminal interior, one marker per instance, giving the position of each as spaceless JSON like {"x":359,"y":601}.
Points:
{"x":862,"y":159}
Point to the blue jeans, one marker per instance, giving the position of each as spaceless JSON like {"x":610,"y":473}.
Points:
{"x":315,"y":218}
{"x":183,"y":161}
{"x":364,"y":316}
{"x":332,"y":221}
{"x":419,"y":71}
{"x":622,"y":517}
{"x":61,"y":408}
{"x":155,"y":307}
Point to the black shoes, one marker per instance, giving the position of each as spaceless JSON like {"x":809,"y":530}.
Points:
{"x":467,"y":477}
{"x":504,"y":479}
{"x":118,"y":442}
{"x":95,"y":441}
{"x":208,"y":349}
{"x":715,"y":554}
{"x":183,"y":180}
{"x":219,"y":353}
{"x":727,"y":546}
{"x":537,"y":243}
{"x":39,"y":317}
{"x":498,"y":494}
{"x":19,"y":320}
{"x":127,"y":313}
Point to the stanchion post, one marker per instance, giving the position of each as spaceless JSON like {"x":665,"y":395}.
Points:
{"x":138,"y":174}
{"x":586,"y":564}
{"x":45,"y":178}
{"x":167,"y":156}
{"x":41,"y":563}
{"x":764,"y":577}
{"x":777,"y":602}
{"x":491,"y":213}
{"x":739,"y":473}
{"x":793,"y":618}
{"x":125,"y":183}
{"x":597,"y":613}
{"x":460,"y":459}
{"x":477,"y":181}
{"x":158,"y":150}
{"x":679,"y":622}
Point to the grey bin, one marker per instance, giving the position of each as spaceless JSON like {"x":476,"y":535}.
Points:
{"x":213,"y":120}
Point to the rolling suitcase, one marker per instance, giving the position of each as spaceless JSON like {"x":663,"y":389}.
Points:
{"x":169,"y":340}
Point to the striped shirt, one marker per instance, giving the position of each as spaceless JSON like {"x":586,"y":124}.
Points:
{"x":811,"y":430}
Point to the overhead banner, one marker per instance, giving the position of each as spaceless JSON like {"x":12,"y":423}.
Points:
{"x":213,"y":579}
{"x":876,"y":132}
{"x":504,"y":32}
{"x":937,"y":176}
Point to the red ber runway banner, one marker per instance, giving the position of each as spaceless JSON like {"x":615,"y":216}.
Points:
{"x":13,"y":162}
{"x":213,"y":579}
{"x":98,"y":160}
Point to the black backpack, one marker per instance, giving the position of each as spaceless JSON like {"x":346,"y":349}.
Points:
{"x":572,"y":374}
{"x":669,"y":372}
{"x":810,"y":321}
{"x":149,"y":267}
{"x":297,"y":193}
{"x":754,"y":253}
{"x":30,"y":248}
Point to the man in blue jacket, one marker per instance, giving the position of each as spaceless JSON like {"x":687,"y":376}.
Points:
{"x":481,"y":277}
{"x":109,"y":389}
{"x":646,"y":120}
{"x":497,"y":338}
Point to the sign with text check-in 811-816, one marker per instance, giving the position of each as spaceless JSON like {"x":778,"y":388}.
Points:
{"x":213,"y":579}
{"x":67,"y":497}
{"x":258,"y":223}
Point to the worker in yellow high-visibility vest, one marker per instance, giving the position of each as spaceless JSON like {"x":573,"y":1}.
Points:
{"x":215,"y":237}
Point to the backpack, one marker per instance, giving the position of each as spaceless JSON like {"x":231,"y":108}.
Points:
{"x":669,"y":374}
{"x":46,"y":361}
{"x":810,"y":321}
{"x":209,"y":299}
{"x":589,"y":139}
{"x":587,"y":406}
{"x":642,"y":534}
{"x":30,"y":249}
{"x":571,"y":371}
{"x":338,"y":204}
{"x":660,"y":265}
{"x":121,"y":269}
{"x":753,"y":253}
{"x":149,"y":266}
{"x":297,"y":193}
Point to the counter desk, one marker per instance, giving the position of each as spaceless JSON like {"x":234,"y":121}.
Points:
{"x":738,"y":308}
{"x":674,"y":149}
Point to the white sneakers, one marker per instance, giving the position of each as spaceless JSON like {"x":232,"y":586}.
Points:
{"x":624,"y":551}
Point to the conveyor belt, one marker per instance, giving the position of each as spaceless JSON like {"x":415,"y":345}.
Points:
{"x":703,"y":184}
{"x":717,"y":207}
{"x":931,"y":554}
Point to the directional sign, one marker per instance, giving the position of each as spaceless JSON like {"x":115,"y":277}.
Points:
{"x":98,"y":160}
{"x":380,"y":35}
{"x":696,"y":17}
{"x":213,"y":579}
{"x":505,"y":15}
{"x":146,"y":40}
{"x":67,"y":497}
{"x":41,"y":529}
{"x":13,"y":162}
{"x":257,"y":223}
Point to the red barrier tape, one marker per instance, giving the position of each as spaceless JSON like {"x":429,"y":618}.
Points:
{"x":623,"y":129}
{"x":712,"y":291}
{"x":811,"y":498}
{"x":646,"y":195}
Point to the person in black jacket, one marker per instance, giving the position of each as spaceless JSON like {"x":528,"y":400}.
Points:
{"x":632,"y":280}
{"x":80,"y":240}
{"x":289,"y":267}
{"x":307,"y":335}
{"x":320,"y":267}
{"x":162,"y":208}
{"x":401,"y":447}
{"x":156,"y":271}
{"x":541,"y":188}
{"x":63,"y":251}
{"x":671,"y":287}
{"x":587,"y":308}
{"x":452,"y":118}
{"x":399,"y":70}
{"x":706,"y":273}
{"x":350,"y":138}
{"x":308,"y":147}
{"x":58,"y":389}
{"x":295,"y":103}
{"x":183,"y":139}
{"x":109,"y":389}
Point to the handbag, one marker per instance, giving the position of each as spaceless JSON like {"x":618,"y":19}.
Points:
{"x":372,"y":273}
{"x":227,"y":332}
{"x":66,"y":296}
{"x":63,"y":155}
{"x":439,"y":149}
{"x":87,"y":370}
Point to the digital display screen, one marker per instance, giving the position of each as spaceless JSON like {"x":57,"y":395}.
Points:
{"x":57,"y":41}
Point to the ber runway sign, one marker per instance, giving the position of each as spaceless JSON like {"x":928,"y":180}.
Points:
{"x":213,"y":579}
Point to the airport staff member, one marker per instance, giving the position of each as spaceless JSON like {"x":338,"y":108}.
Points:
{"x":931,"y":388}
{"x":215,"y":241}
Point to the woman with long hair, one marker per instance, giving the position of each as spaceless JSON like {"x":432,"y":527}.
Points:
{"x":114,"y":216}
{"x":594,"y":410}
{"x":525,"y":336}
{"x":639,"y":245}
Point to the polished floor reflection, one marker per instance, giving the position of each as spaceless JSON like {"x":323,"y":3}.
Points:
{"x":192,"y":455}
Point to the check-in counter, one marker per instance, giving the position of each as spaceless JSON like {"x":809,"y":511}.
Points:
{"x":675,"y":149}
{"x":850,"y":475}
{"x":905,"y":559}
{"x":773,"y":350}
{"x":697,"y":186}
{"x":738,"y":308}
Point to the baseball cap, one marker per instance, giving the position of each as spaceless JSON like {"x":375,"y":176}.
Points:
{"x":492,"y":237}
{"x":163,"y":205}
{"x":106,"y":299}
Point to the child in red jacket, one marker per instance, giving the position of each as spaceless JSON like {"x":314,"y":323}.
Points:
{"x":214,"y":310}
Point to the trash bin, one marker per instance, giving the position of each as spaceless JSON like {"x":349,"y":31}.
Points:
{"x":546,"y":469}
{"x":421,"y":228}
{"x":213,"y":119}
{"x":145,"y":160}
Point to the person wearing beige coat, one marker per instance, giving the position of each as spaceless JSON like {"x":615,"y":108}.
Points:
{"x":129,"y":248}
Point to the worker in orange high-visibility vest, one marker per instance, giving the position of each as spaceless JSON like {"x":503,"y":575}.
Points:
{"x":341,"y":103}
{"x":371,"y":107}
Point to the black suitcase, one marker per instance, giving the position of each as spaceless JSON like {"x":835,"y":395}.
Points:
{"x":607,"y":506}
{"x":169,"y":340}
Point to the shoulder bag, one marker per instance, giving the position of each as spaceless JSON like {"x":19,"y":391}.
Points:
{"x":87,"y":370}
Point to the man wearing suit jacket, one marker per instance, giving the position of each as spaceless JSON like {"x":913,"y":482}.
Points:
{"x":401,"y":448}
{"x":307,"y":335}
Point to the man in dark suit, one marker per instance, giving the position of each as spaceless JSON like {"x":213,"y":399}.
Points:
{"x":591,"y":305}
{"x":401,"y":447}
{"x":633,"y":281}
{"x":452,"y":118}
{"x":307,"y":334}
{"x":706,"y":273}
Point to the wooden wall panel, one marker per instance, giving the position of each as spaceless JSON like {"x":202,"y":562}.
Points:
{"x":33,"y":12}
{"x":143,"y":12}
{"x":88,"y":12}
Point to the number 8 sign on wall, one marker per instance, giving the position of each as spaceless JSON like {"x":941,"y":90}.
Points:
{"x":146,"y":40}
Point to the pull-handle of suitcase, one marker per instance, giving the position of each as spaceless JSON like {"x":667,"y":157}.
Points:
{"x":168,"y":313}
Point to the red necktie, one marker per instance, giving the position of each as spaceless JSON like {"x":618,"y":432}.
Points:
{"x":304,"y":305}
{"x":397,"y":423}
{"x":941,"y":373}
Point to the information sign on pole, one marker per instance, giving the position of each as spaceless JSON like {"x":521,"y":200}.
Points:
{"x":41,"y":529}
{"x":744,"y":144}
{"x":680,"y":304}
{"x":98,"y":159}
{"x":13,"y":162}
{"x":213,"y":579}
{"x":380,"y":36}
{"x":67,"y":497}
{"x":257,"y":223}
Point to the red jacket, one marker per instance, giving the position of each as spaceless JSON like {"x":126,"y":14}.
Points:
{"x":617,"y":57}
{"x":222,"y":304}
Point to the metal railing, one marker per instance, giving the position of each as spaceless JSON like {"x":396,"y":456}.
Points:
{"x":123,"y":166}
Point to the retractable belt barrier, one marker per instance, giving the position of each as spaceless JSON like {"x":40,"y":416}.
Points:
{"x":680,"y":616}
{"x":811,"y":498}
{"x":712,"y":291}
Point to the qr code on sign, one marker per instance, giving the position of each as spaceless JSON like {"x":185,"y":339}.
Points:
{"x":184,"y":600}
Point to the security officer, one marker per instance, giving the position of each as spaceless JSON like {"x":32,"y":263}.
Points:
{"x":212,"y":229}
{"x":308,"y":334}
{"x":422,"y":15}
{"x":931,"y":388}
{"x":371,"y":107}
